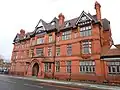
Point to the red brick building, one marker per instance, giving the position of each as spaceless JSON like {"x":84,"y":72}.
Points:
{"x":74,"y":49}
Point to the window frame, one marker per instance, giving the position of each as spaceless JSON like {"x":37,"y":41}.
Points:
{"x":58,"y":51}
{"x":47,"y":67}
{"x":40,"y":40}
{"x":86,"y":47}
{"x":85,"y":31}
{"x":69,"y":66}
{"x":87,"y":66}
{"x":69,"y":49}
{"x":66,"y":35}
{"x":50,"y":38}
{"x":57,"y":66}
{"x":41,"y":51}
{"x":49,"y":51}
{"x":113,"y":67}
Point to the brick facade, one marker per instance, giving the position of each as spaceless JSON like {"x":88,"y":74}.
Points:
{"x":64,"y":49}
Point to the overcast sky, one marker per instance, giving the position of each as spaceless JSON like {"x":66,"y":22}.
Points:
{"x":24,"y":14}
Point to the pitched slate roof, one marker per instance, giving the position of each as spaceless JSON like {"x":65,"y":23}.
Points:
{"x":71,"y":23}
{"x":106,"y":24}
{"x":67,"y":24}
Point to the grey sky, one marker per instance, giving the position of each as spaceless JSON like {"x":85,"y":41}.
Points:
{"x":24,"y":14}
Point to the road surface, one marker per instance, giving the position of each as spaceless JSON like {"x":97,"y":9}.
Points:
{"x":8,"y":83}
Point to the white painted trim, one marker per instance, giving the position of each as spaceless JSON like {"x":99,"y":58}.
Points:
{"x":82,"y":15}
{"x":111,"y":59}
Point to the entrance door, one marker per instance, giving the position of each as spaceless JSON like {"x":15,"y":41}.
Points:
{"x":35,"y":69}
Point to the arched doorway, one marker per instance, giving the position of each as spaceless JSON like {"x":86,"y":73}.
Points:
{"x":35,"y":69}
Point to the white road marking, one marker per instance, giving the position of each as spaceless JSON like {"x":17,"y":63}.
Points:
{"x":8,"y":81}
{"x":33,"y":85}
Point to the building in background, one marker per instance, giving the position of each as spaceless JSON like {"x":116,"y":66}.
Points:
{"x":1,"y":62}
{"x":73,"y":49}
{"x":4,"y":65}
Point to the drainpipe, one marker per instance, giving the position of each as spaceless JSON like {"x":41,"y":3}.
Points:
{"x":54,"y":52}
{"x":54,"y":57}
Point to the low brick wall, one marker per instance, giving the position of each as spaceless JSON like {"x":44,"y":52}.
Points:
{"x":17,"y":73}
{"x":113,"y":79}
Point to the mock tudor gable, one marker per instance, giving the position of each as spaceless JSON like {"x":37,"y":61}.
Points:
{"x":83,"y":17}
{"x":40,"y":26}
{"x":17,"y":38}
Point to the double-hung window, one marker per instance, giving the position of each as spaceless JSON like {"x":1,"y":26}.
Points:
{"x":47,"y":67}
{"x":57,"y":51}
{"x":66,"y":35}
{"x":68,"y":66}
{"x":86,"y":47}
{"x":57,"y":65}
{"x":39,"y":51}
{"x":85,"y":31}
{"x":69,"y":50}
{"x":50,"y":38}
{"x":49,"y":51}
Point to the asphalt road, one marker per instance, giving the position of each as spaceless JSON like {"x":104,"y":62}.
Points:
{"x":8,"y":83}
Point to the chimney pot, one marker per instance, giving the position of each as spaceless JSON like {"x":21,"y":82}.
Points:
{"x":98,"y":11}
{"x":22,"y":31}
{"x":61,"y":19}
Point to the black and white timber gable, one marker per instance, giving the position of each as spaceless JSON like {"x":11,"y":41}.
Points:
{"x":40,"y":28}
{"x":17,"y":38}
{"x":84,"y":19}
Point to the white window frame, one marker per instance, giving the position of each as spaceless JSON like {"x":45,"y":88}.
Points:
{"x":50,"y":53}
{"x":113,"y":64}
{"x":57,"y":51}
{"x":85,"y":65}
{"x":50,"y":38}
{"x":40,"y":40}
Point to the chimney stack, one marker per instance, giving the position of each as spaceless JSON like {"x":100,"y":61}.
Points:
{"x":98,"y":11}
{"x":22,"y":33}
{"x":61,"y":19}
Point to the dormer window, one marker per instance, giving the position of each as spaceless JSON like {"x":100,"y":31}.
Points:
{"x":67,"y":24}
{"x":52,"y":23}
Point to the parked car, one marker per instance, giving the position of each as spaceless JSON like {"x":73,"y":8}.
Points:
{"x":3,"y":71}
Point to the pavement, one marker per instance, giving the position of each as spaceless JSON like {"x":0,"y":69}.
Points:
{"x":28,"y":83}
